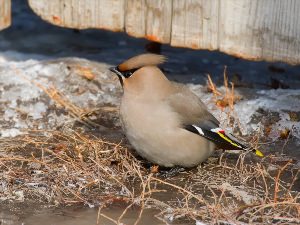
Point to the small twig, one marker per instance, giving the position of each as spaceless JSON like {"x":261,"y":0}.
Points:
{"x":277,"y":180}
{"x":287,"y":139}
{"x":212,"y":87}
{"x":109,"y":218}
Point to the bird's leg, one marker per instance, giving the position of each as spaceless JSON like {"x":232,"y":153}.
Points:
{"x":165,"y":171}
{"x":170,"y":172}
{"x":154,"y":169}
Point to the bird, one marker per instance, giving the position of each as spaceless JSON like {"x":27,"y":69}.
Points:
{"x":164,"y":121}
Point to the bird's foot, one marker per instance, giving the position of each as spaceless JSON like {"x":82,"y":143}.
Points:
{"x":170,"y":172}
{"x":154,"y":169}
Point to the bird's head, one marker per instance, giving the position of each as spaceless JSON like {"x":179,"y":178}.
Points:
{"x":130,"y":71}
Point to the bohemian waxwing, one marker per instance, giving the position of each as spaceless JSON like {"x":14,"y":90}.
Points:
{"x":164,"y":121}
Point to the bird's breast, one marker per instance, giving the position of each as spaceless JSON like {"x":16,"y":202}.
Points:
{"x":146,"y":117}
{"x":154,"y":131}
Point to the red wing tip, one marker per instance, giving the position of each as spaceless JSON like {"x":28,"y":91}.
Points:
{"x":218,"y":130}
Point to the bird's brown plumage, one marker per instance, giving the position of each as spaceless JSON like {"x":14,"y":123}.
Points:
{"x":164,"y":121}
{"x":141,"y":61}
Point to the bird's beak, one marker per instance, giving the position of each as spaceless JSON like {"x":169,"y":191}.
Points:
{"x":116,"y":71}
{"x":119,"y":74}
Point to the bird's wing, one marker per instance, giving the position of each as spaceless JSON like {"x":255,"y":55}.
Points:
{"x":195,"y":118}
{"x":220,"y":138}
{"x":188,"y":106}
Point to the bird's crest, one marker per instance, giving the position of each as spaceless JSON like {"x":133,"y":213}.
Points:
{"x":141,"y":60}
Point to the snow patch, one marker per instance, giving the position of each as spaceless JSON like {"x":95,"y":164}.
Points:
{"x":281,"y":101}
{"x":200,"y":223}
{"x":24,"y":80}
{"x":13,"y":56}
{"x":36,"y":110}
{"x":239,"y":194}
{"x":13,"y":132}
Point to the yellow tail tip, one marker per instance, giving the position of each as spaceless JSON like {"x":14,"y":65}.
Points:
{"x":259,"y":153}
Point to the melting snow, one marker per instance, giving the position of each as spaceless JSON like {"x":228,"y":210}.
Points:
{"x":24,"y":103}
{"x":13,"y":132}
{"x":281,"y":101}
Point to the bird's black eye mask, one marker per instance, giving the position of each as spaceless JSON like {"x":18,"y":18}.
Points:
{"x":128,"y":73}
{"x":125,"y":74}
{"x":121,"y":74}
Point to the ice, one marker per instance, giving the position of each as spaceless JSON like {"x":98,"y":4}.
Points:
{"x":281,"y":101}
{"x":35,"y":110}
{"x":19,"y":195}
{"x":25,"y":58}
{"x":9,"y":114}
{"x":198,"y":222}
{"x":26,"y":81}
{"x":239,"y":193}
{"x":13,"y":132}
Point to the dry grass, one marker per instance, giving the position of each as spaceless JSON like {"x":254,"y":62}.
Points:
{"x":70,"y":168}
{"x":226,"y":98}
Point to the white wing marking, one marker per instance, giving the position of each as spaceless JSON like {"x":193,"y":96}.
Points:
{"x":200,"y":131}
{"x":216,"y":130}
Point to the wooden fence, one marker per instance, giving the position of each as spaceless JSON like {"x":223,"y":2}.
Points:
{"x":252,"y":29}
{"x":5,"y":11}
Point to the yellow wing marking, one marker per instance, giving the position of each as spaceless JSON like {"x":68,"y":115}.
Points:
{"x":228,"y":140}
{"x":259,"y":153}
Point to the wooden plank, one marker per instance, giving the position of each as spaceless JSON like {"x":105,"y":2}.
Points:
{"x":252,"y":29}
{"x":256,"y":29}
{"x":195,"y":24}
{"x":159,"y":20}
{"x":135,"y":18}
{"x":5,"y":14}
{"x":112,"y":13}
{"x":179,"y":24}
{"x":83,"y":14}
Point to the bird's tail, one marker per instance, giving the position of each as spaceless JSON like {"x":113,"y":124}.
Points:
{"x":221,"y":139}
{"x":258,"y":153}
{"x":230,"y":139}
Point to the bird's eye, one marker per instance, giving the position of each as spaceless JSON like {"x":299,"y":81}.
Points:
{"x":128,"y":73}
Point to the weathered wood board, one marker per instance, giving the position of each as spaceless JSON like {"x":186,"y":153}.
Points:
{"x":83,"y":14}
{"x":252,"y":29}
{"x":5,"y":14}
{"x":195,"y":24}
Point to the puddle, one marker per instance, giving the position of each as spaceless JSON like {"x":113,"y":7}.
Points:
{"x":80,"y":216}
